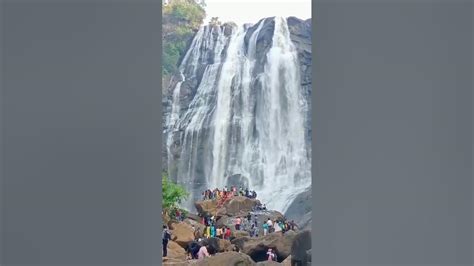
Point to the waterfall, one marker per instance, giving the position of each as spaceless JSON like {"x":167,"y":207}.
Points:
{"x":244,"y":114}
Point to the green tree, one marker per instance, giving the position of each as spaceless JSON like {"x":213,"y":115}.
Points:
{"x":181,"y":19}
{"x":173,"y":194}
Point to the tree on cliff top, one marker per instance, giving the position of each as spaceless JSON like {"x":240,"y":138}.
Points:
{"x":173,"y":194}
{"x":181,"y":19}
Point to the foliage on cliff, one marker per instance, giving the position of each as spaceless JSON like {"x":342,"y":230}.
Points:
{"x":181,"y":19}
{"x":173,"y":193}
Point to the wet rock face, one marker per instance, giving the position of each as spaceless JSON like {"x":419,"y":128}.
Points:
{"x":300,"y":209}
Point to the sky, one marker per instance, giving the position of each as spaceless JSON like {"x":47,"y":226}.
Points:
{"x":251,"y":11}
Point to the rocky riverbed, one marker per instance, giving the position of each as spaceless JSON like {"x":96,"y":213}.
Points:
{"x":289,"y":246}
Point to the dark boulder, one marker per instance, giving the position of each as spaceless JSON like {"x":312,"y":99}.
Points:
{"x":300,"y":247}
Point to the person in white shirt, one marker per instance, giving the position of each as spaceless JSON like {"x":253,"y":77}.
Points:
{"x":270,"y":225}
{"x":277,"y":227}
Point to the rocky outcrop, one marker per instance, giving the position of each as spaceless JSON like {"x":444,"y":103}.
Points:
{"x":175,"y":251}
{"x":174,"y":262}
{"x":198,"y":227}
{"x":239,"y":234}
{"x":239,"y":206}
{"x":217,"y":244}
{"x":287,"y":261}
{"x":301,"y":247}
{"x":268,"y":263}
{"x":234,"y":207}
{"x":182,"y":233}
{"x":257,"y":248}
{"x":300,"y":209}
{"x":261,"y":216}
{"x":208,"y":207}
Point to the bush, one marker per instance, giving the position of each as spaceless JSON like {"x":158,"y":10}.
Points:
{"x":173,"y":194}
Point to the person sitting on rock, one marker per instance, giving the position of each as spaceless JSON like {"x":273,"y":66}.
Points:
{"x":192,"y":249}
{"x":264,"y":207}
{"x":202,"y":253}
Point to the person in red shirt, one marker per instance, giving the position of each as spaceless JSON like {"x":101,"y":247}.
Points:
{"x":227,"y":233}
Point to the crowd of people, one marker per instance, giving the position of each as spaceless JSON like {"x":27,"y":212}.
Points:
{"x":217,"y":194}
{"x":249,"y":223}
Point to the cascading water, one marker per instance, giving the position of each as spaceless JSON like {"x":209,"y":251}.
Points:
{"x":246,"y":115}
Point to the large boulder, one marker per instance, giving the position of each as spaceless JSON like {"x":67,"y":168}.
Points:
{"x":176,"y":252}
{"x":239,"y":206}
{"x":234,"y":207}
{"x":227,"y":259}
{"x":268,"y":263}
{"x":198,"y":227}
{"x":193,"y":217}
{"x":300,"y":209}
{"x":225,"y":245}
{"x":239,"y":234}
{"x":301,"y":247}
{"x":287,"y":261}
{"x":174,"y":262}
{"x":217,"y":244}
{"x":182,"y":233}
{"x":257,"y":247}
{"x":208,"y":208}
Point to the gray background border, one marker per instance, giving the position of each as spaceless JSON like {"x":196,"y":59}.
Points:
{"x":81,"y":120}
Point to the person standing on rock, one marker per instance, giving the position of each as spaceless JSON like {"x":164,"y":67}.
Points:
{"x":265,"y":229}
{"x":197,"y":233}
{"x":271,"y":255}
{"x":270,"y":225}
{"x":249,"y":217}
{"x":227,"y":233}
{"x":213,"y":230}
{"x":166,"y":238}
{"x":238,"y":221}
{"x":277,"y":227}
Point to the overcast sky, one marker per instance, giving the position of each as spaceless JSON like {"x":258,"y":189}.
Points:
{"x":251,"y":11}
